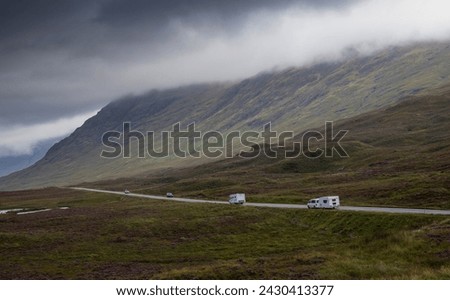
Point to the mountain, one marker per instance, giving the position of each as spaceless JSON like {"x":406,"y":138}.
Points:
{"x":293,"y":99}
{"x":397,"y":156}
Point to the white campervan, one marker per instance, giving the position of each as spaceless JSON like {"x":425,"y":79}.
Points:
{"x":237,"y":199}
{"x":324,"y":202}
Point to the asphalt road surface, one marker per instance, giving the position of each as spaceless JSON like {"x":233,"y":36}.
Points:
{"x":279,"y":205}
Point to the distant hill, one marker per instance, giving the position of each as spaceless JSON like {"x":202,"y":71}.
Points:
{"x":11,"y":164}
{"x":293,"y":99}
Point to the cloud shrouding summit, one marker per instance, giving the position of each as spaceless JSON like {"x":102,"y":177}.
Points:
{"x":65,"y":58}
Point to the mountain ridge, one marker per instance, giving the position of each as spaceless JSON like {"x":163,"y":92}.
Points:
{"x":293,"y":99}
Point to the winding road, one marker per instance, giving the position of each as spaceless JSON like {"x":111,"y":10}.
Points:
{"x":279,"y":205}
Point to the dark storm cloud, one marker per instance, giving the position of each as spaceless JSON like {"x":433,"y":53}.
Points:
{"x":41,"y":39}
{"x":153,"y":19}
{"x":119,"y":13}
{"x":31,"y":33}
{"x":45,"y":44}
{"x":52,"y":24}
{"x":28,"y":24}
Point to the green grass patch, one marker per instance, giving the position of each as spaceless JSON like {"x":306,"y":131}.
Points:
{"x":114,"y":237}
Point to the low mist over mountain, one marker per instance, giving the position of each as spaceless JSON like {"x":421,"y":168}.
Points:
{"x":293,"y":99}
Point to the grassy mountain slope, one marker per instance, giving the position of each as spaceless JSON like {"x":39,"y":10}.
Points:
{"x":293,"y":99}
{"x":398,"y":156}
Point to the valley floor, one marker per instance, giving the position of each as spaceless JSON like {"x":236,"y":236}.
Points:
{"x":118,"y":237}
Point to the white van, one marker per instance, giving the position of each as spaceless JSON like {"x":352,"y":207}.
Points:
{"x":324,"y":202}
{"x":237,"y":199}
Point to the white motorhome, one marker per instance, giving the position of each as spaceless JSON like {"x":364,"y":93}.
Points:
{"x":324,"y":202}
{"x":237,"y":199}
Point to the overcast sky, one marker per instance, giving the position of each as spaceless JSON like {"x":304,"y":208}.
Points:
{"x":61,"y":60}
